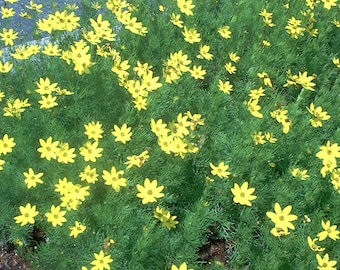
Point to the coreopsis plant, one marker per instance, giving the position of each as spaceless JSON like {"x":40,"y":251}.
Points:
{"x":136,"y":120}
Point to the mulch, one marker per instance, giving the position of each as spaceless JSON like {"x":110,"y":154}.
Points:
{"x":10,"y":259}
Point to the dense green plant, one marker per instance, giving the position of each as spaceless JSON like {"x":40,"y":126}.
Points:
{"x":264,"y":111}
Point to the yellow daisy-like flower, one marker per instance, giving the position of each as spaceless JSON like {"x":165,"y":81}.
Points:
{"x":329,"y":231}
{"x":243,"y":195}
{"x":149,"y":192}
{"x":224,"y":31}
{"x":324,"y":263}
{"x":221,"y":170}
{"x":313,"y":246}
{"x":282,"y":217}
{"x":183,"y":266}
{"x":28,"y":213}
{"x":122,"y":134}
{"x":77,"y":229}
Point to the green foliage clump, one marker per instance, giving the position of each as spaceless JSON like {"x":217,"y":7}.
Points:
{"x":137,"y":135}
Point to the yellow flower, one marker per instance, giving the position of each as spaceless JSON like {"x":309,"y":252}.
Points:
{"x":48,"y":102}
{"x":329,"y":231}
{"x":191,"y":35}
{"x":221,"y":170}
{"x":159,"y":128}
{"x":266,"y":79}
{"x":312,"y":3}
{"x":140,"y":103}
{"x":319,"y":115}
{"x":114,"y":178}
{"x":259,"y":138}
{"x":149,"y":192}
{"x":266,"y":14}
{"x":120,"y":67}
{"x":324,"y":263}
{"x":5,"y":67}
{"x":328,"y":4}
{"x":282,"y":218}
{"x":137,"y":160}
{"x":336,"y":61}
{"x":183,"y":266}
{"x":91,"y":151}
{"x":34,"y":6}
{"x":204,"y":53}
{"x":94,"y":130}
{"x":306,"y":81}
{"x":45,"y":87}
{"x":8,"y":36}
{"x":77,"y":229}
{"x":234,"y":57}
{"x":186,"y":7}
{"x":170,"y":222}
{"x":51,"y":50}
{"x":294,"y":28}
{"x":64,"y":186}
{"x":230,"y":68}
{"x":89,"y":174}
{"x":329,"y":152}
{"x":302,"y":174}
{"x":122,"y":134}
{"x":270,"y":137}
{"x":142,"y":69}
{"x":66,"y":154}
{"x":176,"y":20}
{"x":198,"y":72}
{"x":255,"y":94}
{"x":16,"y":107}
{"x":101,"y":261}
{"x":225,"y":87}
{"x":336,"y":178}
{"x":32,"y":179}
{"x":224,"y":31}
{"x":278,"y":231}
{"x":6,"y":145}
{"x":150,"y":82}
{"x":266,"y":43}
{"x":254,"y":108}
{"x":313,"y":246}
{"x":7,"y":12}
{"x":243,"y":195}
{"x":160,"y":213}
{"x":28,"y":213}
{"x":48,"y":148}
{"x":56,"y":216}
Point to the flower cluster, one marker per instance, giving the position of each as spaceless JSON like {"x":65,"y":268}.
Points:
{"x":175,"y":138}
{"x":328,"y":154}
{"x":329,"y":231}
{"x":166,"y":218}
{"x":122,"y":10}
{"x":49,"y":92}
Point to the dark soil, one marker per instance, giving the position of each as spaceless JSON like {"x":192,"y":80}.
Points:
{"x":9,"y":259}
{"x":217,"y":250}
